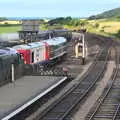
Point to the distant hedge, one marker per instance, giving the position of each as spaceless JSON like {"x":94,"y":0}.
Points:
{"x":3,"y":18}
{"x":8,"y":25}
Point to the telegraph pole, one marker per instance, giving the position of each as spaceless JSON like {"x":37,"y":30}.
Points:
{"x":83,"y":51}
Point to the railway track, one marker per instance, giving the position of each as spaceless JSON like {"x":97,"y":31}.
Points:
{"x":108,"y":105}
{"x":61,"y":109}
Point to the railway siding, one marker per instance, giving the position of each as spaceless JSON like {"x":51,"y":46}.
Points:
{"x":108,"y":105}
{"x":61,"y":108}
{"x":85,"y":108}
{"x":80,"y":87}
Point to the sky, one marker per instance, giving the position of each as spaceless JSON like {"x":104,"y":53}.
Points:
{"x":55,"y":8}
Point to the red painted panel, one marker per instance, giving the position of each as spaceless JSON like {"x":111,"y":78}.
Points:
{"x":25,"y":55}
{"x":47,"y":51}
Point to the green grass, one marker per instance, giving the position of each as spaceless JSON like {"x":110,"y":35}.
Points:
{"x":9,"y":29}
{"x":15,"y":28}
{"x":107,"y":27}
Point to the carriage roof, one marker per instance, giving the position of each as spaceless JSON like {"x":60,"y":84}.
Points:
{"x":8,"y":51}
{"x":36,"y":44}
{"x":21,"y":47}
{"x":55,"y":41}
{"x":28,"y":46}
{"x":9,"y":36}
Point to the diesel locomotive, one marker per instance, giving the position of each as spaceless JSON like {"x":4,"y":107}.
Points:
{"x":42,"y":52}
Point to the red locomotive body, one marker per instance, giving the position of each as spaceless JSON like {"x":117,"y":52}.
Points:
{"x":25,"y":56}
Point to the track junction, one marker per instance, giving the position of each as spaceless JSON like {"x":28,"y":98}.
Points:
{"x":62,"y":107}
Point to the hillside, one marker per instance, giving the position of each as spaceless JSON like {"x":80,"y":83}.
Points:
{"x":114,"y":13}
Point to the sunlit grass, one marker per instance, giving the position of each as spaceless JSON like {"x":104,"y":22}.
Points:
{"x":106,"y":27}
{"x":9,"y":29}
{"x":10,"y":22}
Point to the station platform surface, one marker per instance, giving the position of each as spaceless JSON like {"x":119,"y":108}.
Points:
{"x":20,"y":94}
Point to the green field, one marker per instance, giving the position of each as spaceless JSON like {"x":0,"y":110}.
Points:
{"x":106,"y":27}
{"x":9,"y":29}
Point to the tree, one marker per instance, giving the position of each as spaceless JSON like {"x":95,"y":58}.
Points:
{"x":42,"y":21}
{"x":93,"y":17}
{"x":118,"y":32}
{"x":6,"y":23}
{"x":3,"y":18}
{"x":97,"y":25}
{"x":68,"y":18}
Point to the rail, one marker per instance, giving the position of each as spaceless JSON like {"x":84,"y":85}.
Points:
{"x":62,"y":107}
{"x":102,"y":98}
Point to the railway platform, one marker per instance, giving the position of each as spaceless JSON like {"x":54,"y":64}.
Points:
{"x":17,"y":96}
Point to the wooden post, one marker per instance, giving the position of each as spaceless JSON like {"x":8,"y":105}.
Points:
{"x":83,"y":55}
{"x":13,"y":73}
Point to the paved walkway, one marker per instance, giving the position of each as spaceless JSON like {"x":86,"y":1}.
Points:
{"x":14,"y":95}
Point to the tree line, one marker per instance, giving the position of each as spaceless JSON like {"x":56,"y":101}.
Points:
{"x":67,"y":21}
{"x":3,"y":18}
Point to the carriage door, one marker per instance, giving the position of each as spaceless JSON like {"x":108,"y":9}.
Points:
{"x":42,"y":53}
{"x":32,"y":56}
{"x":37,"y":55}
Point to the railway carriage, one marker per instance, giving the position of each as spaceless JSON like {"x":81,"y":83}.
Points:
{"x":32,"y":53}
{"x":38,"y":52}
{"x":42,"y":52}
{"x":57,"y":47}
{"x":24,"y":51}
{"x":63,"y":33}
{"x":45,"y":35}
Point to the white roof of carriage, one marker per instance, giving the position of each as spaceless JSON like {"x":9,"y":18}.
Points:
{"x":28,"y":46}
{"x":8,"y":50}
{"x":9,"y":36}
{"x":55,"y":41}
{"x":36,"y":44}
{"x":21,"y":47}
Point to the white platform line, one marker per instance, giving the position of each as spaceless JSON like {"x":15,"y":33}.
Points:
{"x":33,"y":100}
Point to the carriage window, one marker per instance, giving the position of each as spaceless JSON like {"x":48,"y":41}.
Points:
{"x":37,"y":53}
{"x":32,"y":57}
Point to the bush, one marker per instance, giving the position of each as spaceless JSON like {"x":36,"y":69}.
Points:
{"x":97,"y":25}
{"x":102,"y":30}
{"x":118,"y":32}
{"x":6,"y":23}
